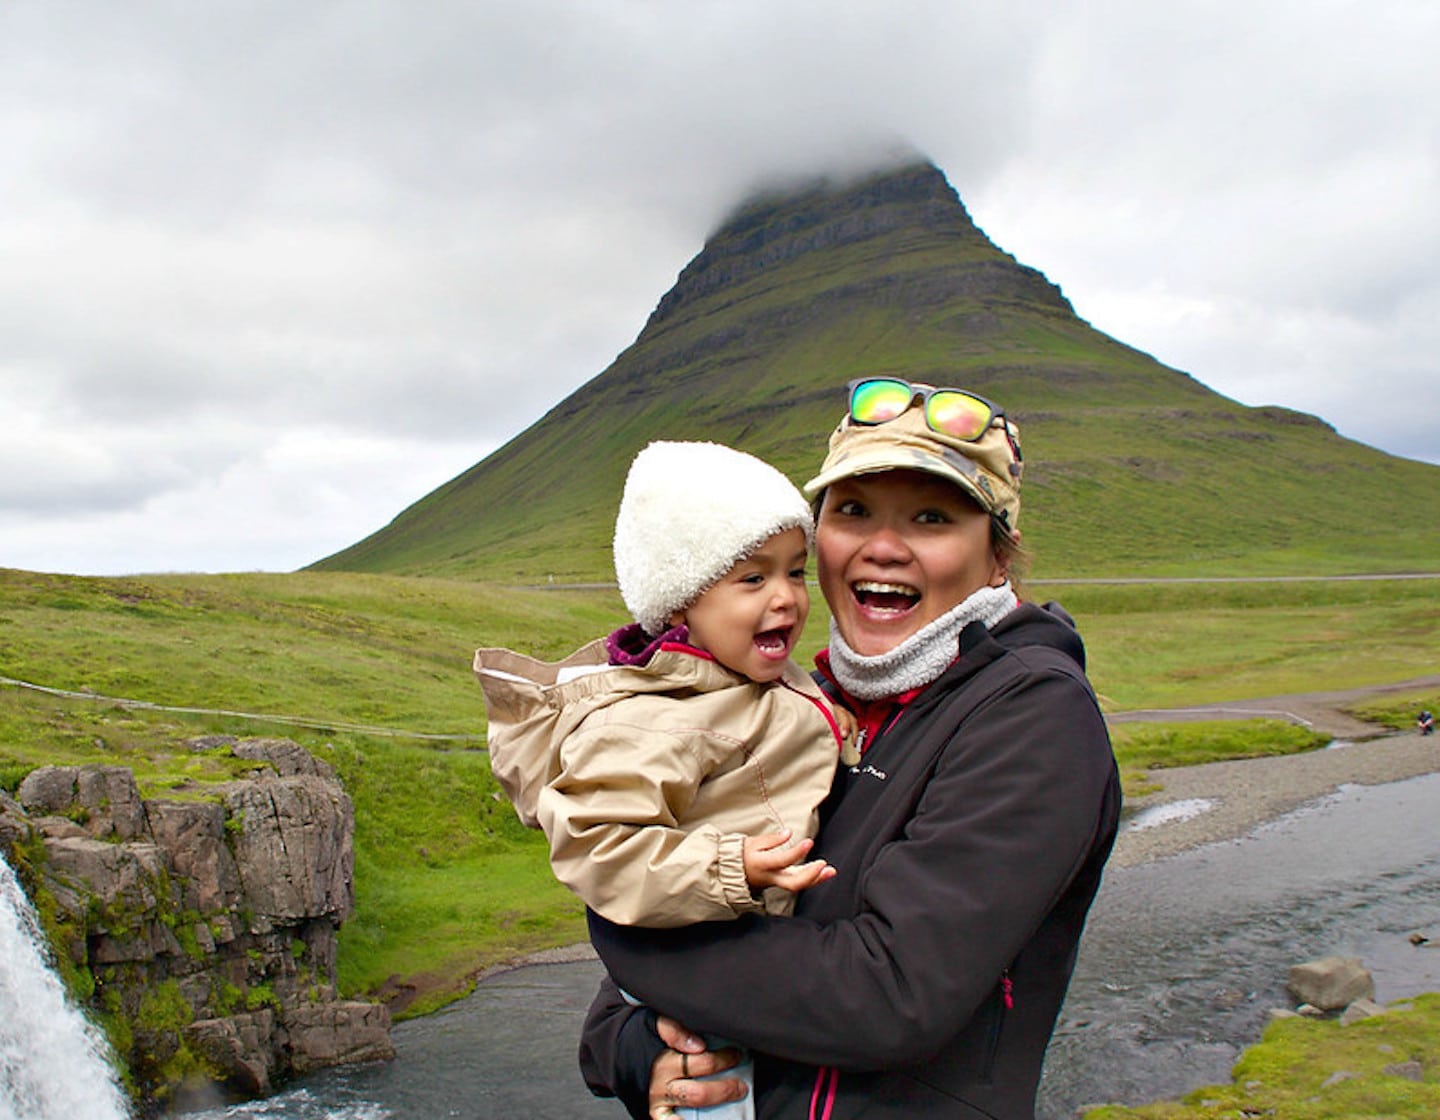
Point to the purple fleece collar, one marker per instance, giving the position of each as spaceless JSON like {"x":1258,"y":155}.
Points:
{"x":630,"y":645}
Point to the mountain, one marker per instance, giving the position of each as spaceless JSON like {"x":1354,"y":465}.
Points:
{"x":1131,"y":467}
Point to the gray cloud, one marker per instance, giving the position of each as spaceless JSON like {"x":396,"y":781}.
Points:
{"x":288,"y":267}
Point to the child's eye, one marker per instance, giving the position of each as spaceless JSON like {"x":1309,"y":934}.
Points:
{"x":797,"y":573}
{"x":931,"y":517}
{"x":752,"y":577}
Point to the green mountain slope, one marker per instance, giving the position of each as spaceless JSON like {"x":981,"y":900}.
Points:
{"x":1131,"y":467}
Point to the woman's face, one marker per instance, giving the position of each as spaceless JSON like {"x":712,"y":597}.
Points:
{"x":896,"y":551}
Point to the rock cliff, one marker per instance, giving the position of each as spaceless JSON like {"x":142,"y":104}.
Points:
{"x":204,"y":930}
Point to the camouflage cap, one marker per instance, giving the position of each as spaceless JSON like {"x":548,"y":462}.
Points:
{"x":987,"y":469}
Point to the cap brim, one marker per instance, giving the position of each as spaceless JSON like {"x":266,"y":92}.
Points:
{"x":879,"y":460}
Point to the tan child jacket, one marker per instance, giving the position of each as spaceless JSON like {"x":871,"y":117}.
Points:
{"x":647,"y":779}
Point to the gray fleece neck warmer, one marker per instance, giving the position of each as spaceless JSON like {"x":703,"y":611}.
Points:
{"x":923,"y":656}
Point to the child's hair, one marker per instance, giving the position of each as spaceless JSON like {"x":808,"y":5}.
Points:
{"x":690,"y":513}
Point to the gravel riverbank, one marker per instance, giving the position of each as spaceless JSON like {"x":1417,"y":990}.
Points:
{"x":1199,"y":805}
{"x":1231,"y":798}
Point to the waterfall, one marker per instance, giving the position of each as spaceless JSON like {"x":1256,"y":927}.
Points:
{"x":52,"y":1064}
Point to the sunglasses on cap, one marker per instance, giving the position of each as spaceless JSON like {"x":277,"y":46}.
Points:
{"x":951,"y":412}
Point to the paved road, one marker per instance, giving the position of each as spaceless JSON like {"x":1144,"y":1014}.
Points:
{"x":1320,"y":710}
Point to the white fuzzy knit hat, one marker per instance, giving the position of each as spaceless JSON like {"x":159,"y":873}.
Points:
{"x":690,"y":512}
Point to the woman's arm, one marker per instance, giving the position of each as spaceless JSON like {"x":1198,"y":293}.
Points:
{"x":1010,"y":814}
{"x":618,"y":1049}
{"x":646,"y":1051}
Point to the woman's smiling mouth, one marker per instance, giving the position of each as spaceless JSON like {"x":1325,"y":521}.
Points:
{"x":885,"y":598}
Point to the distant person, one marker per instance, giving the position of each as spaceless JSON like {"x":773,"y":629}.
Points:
{"x":1426,"y":722}
{"x":677,"y":766}
{"x":925,"y":978}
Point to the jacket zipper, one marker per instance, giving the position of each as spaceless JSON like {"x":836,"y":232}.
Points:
{"x":992,"y":1042}
{"x":822,"y":1097}
{"x":827,"y":1078}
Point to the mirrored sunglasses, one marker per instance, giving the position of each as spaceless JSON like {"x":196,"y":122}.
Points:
{"x":951,"y":412}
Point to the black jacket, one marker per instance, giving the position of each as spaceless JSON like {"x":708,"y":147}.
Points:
{"x":925,"y":979}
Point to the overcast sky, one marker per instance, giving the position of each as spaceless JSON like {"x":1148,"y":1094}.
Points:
{"x":271,"y":272}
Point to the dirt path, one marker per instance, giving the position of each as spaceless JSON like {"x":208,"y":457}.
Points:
{"x":1224,"y":800}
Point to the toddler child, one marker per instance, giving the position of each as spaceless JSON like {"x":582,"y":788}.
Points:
{"x":678,"y":765}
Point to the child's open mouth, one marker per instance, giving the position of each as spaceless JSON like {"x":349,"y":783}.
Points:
{"x":773,"y":643}
{"x":884,"y":598}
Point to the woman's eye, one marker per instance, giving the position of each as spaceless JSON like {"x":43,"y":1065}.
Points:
{"x":931,"y":517}
{"x":850,"y":508}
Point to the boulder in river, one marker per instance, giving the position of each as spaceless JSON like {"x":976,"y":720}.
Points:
{"x":1331,"y":983}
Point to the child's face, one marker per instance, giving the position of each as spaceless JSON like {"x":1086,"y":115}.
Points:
{"x":751,"y":618}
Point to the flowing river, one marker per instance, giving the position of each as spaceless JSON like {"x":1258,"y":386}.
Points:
{"x":1182,"y":959}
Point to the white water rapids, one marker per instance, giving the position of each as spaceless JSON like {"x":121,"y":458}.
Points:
{"x":52,"y":1063}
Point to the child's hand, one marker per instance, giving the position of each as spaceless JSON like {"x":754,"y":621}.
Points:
{"x":849,"y":748}
{"x":772,"y":861}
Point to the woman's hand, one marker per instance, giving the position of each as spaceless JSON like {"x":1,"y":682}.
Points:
{"x":772,"y":861}
{"x":672,"y":1076}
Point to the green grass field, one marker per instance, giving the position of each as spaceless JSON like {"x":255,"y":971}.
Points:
{"x":373,"y":674}
{"x":447,"y":880}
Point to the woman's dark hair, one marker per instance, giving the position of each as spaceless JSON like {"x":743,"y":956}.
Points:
{"x":1010,"y":552}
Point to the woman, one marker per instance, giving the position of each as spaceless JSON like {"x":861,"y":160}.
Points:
{"x":926,"y":977}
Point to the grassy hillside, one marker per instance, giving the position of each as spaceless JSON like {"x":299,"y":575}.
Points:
{"x":446,"y":879}
{"x":1132,"y":467}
